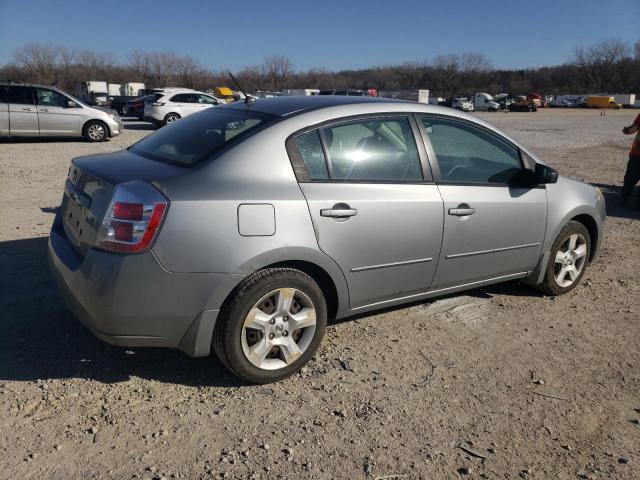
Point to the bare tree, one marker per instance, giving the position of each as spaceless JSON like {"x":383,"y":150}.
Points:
{"x":473,"y":62}
{"x":600,"y":63}
{"x":279,"y":70}
{"x":39,"y":60}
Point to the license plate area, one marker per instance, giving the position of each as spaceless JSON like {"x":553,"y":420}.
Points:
{"x":73,"y":220}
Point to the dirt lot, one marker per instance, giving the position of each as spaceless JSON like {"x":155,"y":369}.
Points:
{"x":529,"y":386}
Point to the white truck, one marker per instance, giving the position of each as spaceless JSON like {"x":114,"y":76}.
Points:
{"x":93,"y":92}
{"x":114,"y":89}
{"x":483,"y":102}
{"x":462,"y":103}
{"x":625,"y":99}
{"x":300,"y":91}
{"x":420,"y":95}
{"x":133,"y":89}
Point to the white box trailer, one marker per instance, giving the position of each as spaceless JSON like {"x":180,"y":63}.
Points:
{"x":420,"y":95}
{"x":625,"y":99}
{"x":114,"y":89}
{"x":301,"y":91}
{"x":92,"y":92}
{"x":132,"y":89}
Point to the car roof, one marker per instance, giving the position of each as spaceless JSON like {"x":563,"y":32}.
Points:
{"x":294,"y":104}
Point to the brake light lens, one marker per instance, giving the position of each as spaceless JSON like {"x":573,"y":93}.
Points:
{"x":133,"y":219}
{"x":158,"y":104}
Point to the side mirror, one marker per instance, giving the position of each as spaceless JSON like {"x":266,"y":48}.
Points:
{"x":545,"y":174}
{"x":71,"y":104}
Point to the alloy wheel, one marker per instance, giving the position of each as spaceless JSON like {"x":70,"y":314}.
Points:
{"x":278,"y":329}
{"x":570,"y":260}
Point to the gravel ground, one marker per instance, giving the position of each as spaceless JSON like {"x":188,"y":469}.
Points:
{"x":501,"y":382}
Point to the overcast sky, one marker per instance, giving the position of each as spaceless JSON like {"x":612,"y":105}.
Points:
{"x":331,"y":34}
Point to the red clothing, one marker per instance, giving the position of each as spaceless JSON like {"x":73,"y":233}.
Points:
{"x":635,"y":148}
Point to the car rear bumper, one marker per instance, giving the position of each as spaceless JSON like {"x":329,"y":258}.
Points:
{"x":131,"y":300}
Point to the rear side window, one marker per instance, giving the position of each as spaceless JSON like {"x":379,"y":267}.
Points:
{"x":310,"y":149}
{"x":20,"y":95}
{"x":378,"y":150}
{"x":469,"y":154}
{"x":197,"y":137}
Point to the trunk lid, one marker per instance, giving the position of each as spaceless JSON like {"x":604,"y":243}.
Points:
{"x":90,"y":185}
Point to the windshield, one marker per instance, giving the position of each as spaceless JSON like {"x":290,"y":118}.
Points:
{"x":197,"y":137}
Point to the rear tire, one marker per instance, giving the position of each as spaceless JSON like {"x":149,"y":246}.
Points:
{"x":271,"y":326}
{"x":568,"y":260}
{"x":170,"y":118}
{"x":95,"y":131}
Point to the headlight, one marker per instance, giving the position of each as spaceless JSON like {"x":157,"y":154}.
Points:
{"x":113,"y":116}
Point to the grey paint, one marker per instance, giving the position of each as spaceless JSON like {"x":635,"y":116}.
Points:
{"x":401,"y":245}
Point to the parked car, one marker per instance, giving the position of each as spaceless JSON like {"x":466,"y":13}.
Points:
{"x":348,"y":92}
{"x":462,"y":103}
{"x":246,"y":226}
{"x":172,"y":105}
{"x":41,"y":111}
{"x":135,"y":107}
{"x":524,"y":104}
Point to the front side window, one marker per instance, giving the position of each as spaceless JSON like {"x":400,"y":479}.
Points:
{"x":207,"y":99}
{"x":197,"y":137}
{"x":50,"y":98}
{"x":469,"y":154}
{"x":377,"y":150}
{"x":20,"y":95}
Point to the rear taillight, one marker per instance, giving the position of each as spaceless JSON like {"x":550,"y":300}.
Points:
{"x":157,"y":104}
{"x":133,"y":218}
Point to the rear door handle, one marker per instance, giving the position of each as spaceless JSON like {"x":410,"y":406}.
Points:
{"x":28,"y":109}
{"x":462,"y":210}
{"x":338,"y":212}
{"x":44,"y":110}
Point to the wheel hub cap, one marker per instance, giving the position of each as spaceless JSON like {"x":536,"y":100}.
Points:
{"x":570,"y":260}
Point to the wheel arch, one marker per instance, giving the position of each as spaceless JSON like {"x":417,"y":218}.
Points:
{"x":592,"y":227}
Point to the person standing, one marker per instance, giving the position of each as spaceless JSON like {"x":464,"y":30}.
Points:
{"x":632,"y":175}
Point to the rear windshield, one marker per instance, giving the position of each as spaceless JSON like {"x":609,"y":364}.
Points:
{"x":195,"y":138}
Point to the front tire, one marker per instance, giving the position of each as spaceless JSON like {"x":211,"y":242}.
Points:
{"x":271,"y":326}
{"x":570,"y":255}
{"x":95,"y":131}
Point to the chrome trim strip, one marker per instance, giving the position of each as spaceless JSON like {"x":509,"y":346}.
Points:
{"x":430,"y":293}
{"x":494,"y":250}
{"x":394,"y":264}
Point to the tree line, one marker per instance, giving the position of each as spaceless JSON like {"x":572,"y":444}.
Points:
{"x":610,"y":65}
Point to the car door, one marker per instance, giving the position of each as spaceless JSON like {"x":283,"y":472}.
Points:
{"x":188,"y":103}
{"x":23,"y":116}
{"x":373,"y":203}
{"x":55,"y":115}
{"x":4,"y":110}
{"x":492,"y":229}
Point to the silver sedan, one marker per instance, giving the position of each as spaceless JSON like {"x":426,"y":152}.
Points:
{"x":246,"y":226}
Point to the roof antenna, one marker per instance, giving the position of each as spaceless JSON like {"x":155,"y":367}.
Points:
{"x":248,"y":99}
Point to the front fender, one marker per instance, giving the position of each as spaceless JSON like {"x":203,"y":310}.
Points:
{"x":568,"y":199}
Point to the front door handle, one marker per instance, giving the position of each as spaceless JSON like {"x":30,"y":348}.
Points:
{"x":28,"y":109}
{"x":462,"y":210}
{"x":338,"y":211}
